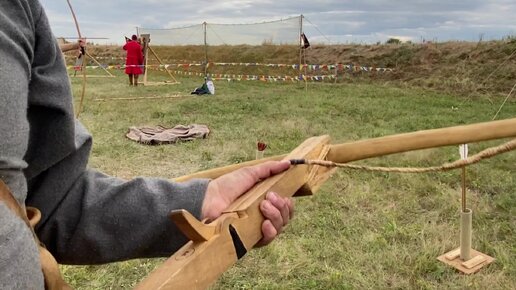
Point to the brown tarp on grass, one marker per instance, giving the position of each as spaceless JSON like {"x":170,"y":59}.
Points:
{"x":162,"y":135}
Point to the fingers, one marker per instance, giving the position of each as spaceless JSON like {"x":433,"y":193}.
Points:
{"x":269,"y":232}
{"x":280,"y":205}
{"x":290,"y":205}
{"x":272,"y":214}
{"x":277,"y":212}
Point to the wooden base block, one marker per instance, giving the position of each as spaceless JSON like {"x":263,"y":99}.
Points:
{"x":473,"y":265}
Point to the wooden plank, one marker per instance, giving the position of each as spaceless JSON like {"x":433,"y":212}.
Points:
{"x":457,"y":263}
{"x":93,"y":76}
{"x":475,"y":261}
{"x":141,"y":98}
{"x":148,"y":83}
{"x":453,"y":254}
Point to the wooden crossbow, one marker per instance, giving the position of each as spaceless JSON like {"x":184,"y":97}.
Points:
{"x":216,"y":246}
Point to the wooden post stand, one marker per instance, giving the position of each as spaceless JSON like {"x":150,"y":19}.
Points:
{"x":464,"y":258}
{"x":473,"y":265}
{"x":146,"y":48}
{"x":101,"y":66}
{"x":108,"y":74}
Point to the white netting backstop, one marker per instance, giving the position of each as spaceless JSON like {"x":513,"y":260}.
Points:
{"x":284,"y":31}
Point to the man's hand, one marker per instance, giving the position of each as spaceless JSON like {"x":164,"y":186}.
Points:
{"x":81,"y":43}
{"x":224,"y":190}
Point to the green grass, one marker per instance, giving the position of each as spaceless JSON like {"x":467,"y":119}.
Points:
{"x":362,"y":230}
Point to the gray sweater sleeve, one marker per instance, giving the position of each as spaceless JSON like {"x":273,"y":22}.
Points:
{"x":103,"y":219}
{"x":87,"y":217}
{"x":19,"y":257}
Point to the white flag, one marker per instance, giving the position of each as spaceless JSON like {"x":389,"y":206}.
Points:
{"x":463,"y":151}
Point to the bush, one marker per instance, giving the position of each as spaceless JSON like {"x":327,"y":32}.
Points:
{"x":393,"y":41}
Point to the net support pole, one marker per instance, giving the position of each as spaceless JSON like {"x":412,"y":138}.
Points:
{"x":301,"y":49}
{"x":300,"y":42}
{"x":336,"y":72}
{"x":145,"y":40}
{"x":204,"y":24}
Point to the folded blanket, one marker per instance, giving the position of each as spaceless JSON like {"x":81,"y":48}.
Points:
{"x":161,"y":135}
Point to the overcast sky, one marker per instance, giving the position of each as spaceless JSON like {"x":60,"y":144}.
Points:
{"x":365,"y":21}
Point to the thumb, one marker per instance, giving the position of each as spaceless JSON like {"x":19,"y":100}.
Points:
{"x":245,"y":178}
{"x":221,"y":192}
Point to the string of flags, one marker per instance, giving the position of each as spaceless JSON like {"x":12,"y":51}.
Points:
{"x":308,"y":67}
{"x":265,"y":78}
{"x":123,"y":58}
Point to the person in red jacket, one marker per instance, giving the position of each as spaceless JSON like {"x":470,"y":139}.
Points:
{"x":134,"y":60}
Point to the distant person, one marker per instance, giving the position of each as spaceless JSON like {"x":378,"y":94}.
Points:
{"x":79,"y":45}
{"x":207,"y":88}
{"x":134,"y":60}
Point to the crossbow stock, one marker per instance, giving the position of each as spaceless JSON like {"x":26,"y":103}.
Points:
{"x":216,"y":246}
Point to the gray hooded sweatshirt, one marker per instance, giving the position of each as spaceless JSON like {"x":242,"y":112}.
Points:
{"x":87,"y":217}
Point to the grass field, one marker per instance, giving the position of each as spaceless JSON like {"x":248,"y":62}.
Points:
{"x":482,"y":69}
{"x":362,"y":230}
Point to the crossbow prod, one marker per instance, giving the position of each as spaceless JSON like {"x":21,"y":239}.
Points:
{"x":216,"y":246}
{"x":82,"y":62}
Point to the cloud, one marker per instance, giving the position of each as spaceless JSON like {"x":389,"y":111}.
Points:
{"x":334,"y":20}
